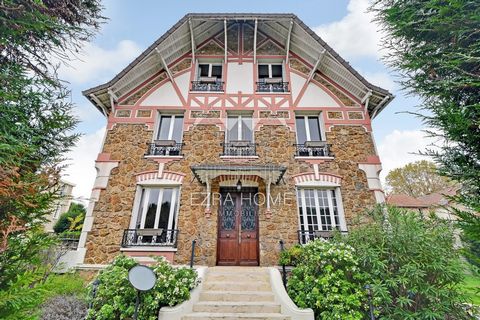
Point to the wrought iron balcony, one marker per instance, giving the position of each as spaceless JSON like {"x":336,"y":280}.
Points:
{"x":149,"y":237}
{"x":239,"y":149}
{"x":263,"y":86}
{"x":304,"y":236}
{"x":313,"y":149}
{"x":215,"y":86}
{"x":164,"y":148}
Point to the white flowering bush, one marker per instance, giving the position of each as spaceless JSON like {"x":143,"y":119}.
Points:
{"x":327,"y":279}
{"x":115,"y":298}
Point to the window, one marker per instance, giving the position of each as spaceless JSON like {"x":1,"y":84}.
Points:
{"x":157,"y":211}
{"x":209,"y":70}
{"x":239,"y":128}
{"x":269,"y":71}
{"x":308,"y":129}
{"x":170,"y":128}
{"x":319,"y":210}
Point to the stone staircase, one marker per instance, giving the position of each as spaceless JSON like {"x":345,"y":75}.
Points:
{"x":230,"y":293}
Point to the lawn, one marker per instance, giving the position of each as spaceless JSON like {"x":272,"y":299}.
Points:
{"x":69,"y":284}
{"x":471,"y":286}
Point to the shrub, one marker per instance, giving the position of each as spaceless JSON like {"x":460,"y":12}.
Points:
{"x":327,"y":279}
{"x":115,"y":298}
{"x":72,"y":219}
{"x":411,"y":265}
{"x":64,"y":308}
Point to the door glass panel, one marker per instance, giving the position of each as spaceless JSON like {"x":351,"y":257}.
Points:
{"x":232,"y":128}
{"x":164,"y":127}
{"x":165,"y":209}
{"x":324,"y":209}
{"x":247,"y":129}
{"x":140,"y":210}
{"x":151,"y":208}
{"x":203,"y":70}
{"x":262,"y":71}
{"x":177,"y":129}
{"x":248,"y":214}
{"x":228,"y":213}
{"x":217,"y":71}
{"x":277,"y":71}
{"x":301,"y":131}
{"x":314,"y":127}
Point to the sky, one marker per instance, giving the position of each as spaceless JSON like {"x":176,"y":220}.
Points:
{"x":133,"y":25}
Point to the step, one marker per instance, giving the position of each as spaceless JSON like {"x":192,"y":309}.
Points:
{"x":236,"y":307}
{"x":237,"y":296}
{"x":234,"y":316}
{"x":236,"y":286}
{"x":234,"y":277}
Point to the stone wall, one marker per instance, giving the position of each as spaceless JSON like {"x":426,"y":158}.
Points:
{"x":127,"y":143}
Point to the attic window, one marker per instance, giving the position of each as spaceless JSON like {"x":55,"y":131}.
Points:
{"x":209,"y":77}
{"x":270,"y":78}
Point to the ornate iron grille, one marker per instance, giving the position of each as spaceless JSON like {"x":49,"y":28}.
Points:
{"x":272,"y":87}
{"x":149,"y":237}
{"x":236,"y":149}
{"x":164,"y":150}
{"x":304,"y":150}
{"x":207,"y":86}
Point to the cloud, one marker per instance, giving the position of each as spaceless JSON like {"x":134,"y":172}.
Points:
{"x":401,"y":147}
{"x":98,"y":63}
{"x":381,"y":79}
{"x":355,"y":35}
{"x":81,"y":170}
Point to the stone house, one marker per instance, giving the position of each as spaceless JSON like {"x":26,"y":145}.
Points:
{"x":61,"y":205}
{"x":234,"y":130}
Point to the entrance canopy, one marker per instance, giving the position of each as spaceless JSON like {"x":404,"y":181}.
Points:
{"x":269,"y":173}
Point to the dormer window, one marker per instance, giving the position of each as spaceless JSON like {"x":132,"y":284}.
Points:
{"x":270,"y":78}
{"x":209,"y":77}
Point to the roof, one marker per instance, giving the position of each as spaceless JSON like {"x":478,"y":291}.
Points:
{"x":405,"y":201}
{"x":273,"y":173}
{"x":177,"y":42}
{"x":439,"y":198}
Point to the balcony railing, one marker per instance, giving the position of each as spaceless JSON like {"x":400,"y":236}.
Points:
{"x":304,"y":236}
{"x":215,"y":86}
{"x":272,"y":87}
{"x":313,"y":149}
{"x":149,"y":237}
{"x":239,"y":149}
{"x":164,"y":149}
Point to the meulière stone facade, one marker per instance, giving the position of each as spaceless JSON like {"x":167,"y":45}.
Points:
{"x":127,"y":143}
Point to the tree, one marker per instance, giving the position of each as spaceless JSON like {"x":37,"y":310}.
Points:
{"x":416,"y":179}
{"x":435,"y":46}
{"x":72,"y":219}
{"x":36,"y":126}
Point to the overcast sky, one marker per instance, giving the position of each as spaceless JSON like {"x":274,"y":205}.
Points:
{"x":134,"y":25}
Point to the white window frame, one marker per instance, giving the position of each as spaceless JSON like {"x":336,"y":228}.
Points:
{"x":170,"y":129}
{"x":174,"y":209}
{"x":307,"y":126}
{"x":210,"y":67}
{"x":240,"y":127}
{"x":341,"y":215}
{"x":270,"y":64}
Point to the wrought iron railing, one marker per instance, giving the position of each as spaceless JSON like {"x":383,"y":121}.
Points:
{"x":69,"y":242}
{"x":207,"y":86}
{"x":236,"y":149}
{"x":154,"y":149}
{"x":149,"y":237}
{"x":311,"y":150}
{"x":272,"y":87}
{"x":305,"y":236}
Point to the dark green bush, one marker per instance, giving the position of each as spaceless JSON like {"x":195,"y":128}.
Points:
{"x":64,"y":223}
{"x":115,"y":297}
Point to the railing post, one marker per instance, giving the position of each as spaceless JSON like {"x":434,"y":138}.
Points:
{"x":193,"y":253}
{"x":284,"y":271}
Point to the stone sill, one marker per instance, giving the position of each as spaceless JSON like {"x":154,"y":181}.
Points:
{"x":149,"y":249}
{"x":210,"y":92}
{"x":313,"y":158}
{"x":273,"y":93}
{"x":163,"y":157}
{"x":88,"y":266}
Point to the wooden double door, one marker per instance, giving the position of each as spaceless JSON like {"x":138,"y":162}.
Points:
{"x":238,"y":228}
